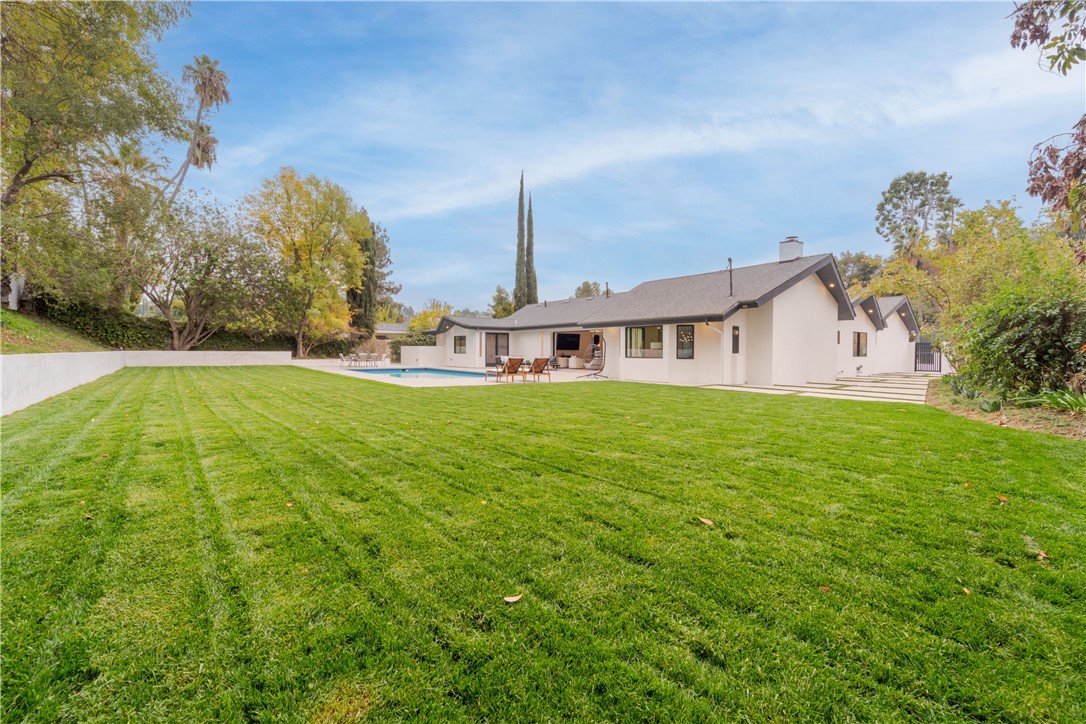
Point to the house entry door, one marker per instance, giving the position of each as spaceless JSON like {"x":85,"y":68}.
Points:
{"x":497,"y":345}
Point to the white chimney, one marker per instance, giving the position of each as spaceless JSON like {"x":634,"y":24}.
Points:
{"x":791,"y":248}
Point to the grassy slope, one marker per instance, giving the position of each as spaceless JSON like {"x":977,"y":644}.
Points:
{"x":21,"y":333}
{"x":831,"y":585}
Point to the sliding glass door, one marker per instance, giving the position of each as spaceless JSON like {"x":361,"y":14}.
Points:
{"x":497,"y":345}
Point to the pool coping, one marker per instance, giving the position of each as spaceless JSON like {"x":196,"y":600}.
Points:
{"x":333,"y":366}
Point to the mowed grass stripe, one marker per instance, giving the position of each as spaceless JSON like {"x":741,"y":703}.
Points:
{"x":58,"y":532}
{"x":380,"y":589}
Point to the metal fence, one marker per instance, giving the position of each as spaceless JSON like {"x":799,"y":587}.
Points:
{"x":928,"y":358}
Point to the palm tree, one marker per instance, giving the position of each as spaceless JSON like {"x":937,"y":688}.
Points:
{"x":210,"y":85}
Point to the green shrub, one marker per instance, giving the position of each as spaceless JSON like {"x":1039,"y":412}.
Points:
{"x":991,"y":405}
{"x":1027,"y":341}
{"x":411,"y":339}
{"x":108,"y":327}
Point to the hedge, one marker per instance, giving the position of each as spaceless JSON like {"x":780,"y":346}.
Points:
{"x":116,"y":329}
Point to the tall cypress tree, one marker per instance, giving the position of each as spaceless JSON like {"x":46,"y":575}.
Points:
{"x":520,"y":287}
{"x":532,"y":296}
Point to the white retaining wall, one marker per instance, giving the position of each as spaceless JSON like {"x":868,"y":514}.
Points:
{"x":422,"y":356}
{"x":30,"y":378}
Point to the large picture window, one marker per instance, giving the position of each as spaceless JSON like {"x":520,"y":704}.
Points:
{"x":645,"y":341}
{"x":460,"y":344}
{"x":684,"y":341}
{"x":859,"y":344}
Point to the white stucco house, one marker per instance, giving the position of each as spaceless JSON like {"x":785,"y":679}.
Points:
{"x":779,"y":323}
{"x":880,"y":339}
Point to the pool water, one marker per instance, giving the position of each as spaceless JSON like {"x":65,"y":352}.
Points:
{"x":416,"y":373}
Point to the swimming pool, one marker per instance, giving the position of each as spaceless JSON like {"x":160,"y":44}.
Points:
{"x":417,"y":373}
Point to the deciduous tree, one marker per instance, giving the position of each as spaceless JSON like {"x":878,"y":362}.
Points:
{"x":76,"y":73}
{"x":201,"y":272}
{"x":430,"y":315}
{"x":858,"y":269}
{"x":1057,"y":167}
{"x":305,"y":220}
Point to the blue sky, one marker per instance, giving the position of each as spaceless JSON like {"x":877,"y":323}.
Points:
{"x":656,"y":139}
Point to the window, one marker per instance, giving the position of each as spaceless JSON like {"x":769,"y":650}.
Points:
{"x":460,"y":344}
{"x":684,"y":341}
{"x":859,"y":344}
{"x":645,"y":341}
{"x":735,"y":340}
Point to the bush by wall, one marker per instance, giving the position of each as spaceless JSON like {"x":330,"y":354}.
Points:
{"x":117,"y":329}
{"x":108,"y":327}
{"x":1027,"y":341}
{"x":411,"y":339}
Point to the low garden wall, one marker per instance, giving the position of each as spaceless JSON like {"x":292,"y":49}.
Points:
{"x":422,"y":356}
{"x":29,"y":378}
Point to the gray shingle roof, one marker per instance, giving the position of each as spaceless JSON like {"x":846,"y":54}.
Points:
{"x":562,"y":313}
{"x":713,"y":296}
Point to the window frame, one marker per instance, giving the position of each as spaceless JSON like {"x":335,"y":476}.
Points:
{"x":460,"y":344}
{"x":644,"y":337}
{"x":679,"y":348}
{"x":859,"y":344}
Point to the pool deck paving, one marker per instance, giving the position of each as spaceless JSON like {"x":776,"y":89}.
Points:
{"x":898,"y":388}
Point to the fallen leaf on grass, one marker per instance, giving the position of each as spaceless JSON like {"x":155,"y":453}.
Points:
{"x":290,"y":504}
{"x":484,"y":502}
{"x":1002,"y":500}
{"x":1042,"y":556}
{"x":82,"y":502}
{"x":626,"y":418}
{"x":968,"y":485}
{"x":513,"y":599}
{"x":824,"y":589}
{"x":88,"y":516}
{"x":706,"y":521}
{"x":104,"y":455}
{"x":967,"y":592}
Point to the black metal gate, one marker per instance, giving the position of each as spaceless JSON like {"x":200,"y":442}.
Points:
{"x":928,"y":358}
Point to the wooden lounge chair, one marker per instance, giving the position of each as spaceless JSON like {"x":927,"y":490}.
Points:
{"x":510,"y":368}
{"x":540,"y":366}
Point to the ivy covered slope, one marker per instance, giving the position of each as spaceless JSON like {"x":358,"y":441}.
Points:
{"x":21,"y":333}
{"x":284,"y":544}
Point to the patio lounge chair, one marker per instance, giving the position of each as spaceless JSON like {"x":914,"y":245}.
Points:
{"x":510,"y":368}
{"x":540,"y":366}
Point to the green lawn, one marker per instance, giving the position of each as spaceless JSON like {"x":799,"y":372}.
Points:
{"x":23,"y":333}
{"x":284,"y":544}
